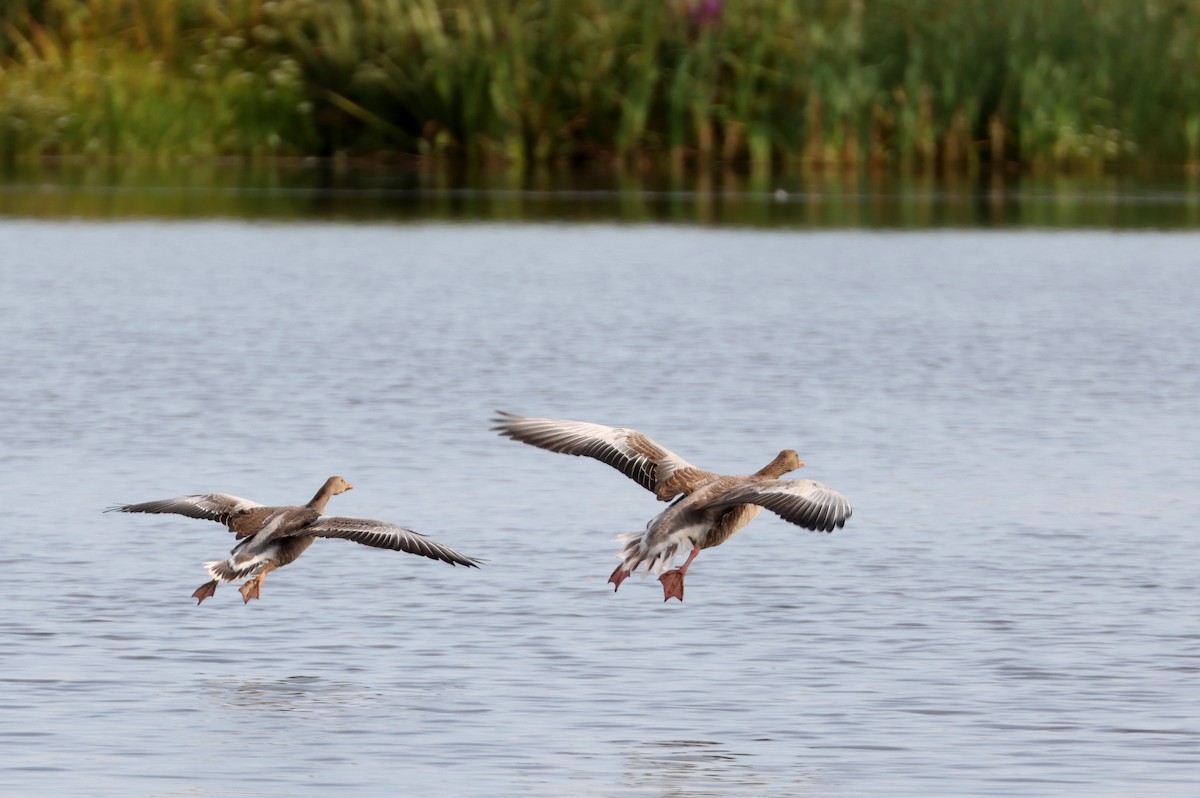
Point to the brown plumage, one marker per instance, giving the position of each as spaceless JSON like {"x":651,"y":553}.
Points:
{"x":711,"y":507}
{"x":272,"y":537}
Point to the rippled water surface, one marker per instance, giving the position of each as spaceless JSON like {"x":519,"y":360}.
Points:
{"x":1011,"y":611}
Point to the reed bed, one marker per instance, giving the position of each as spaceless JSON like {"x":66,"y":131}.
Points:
{"x":923,"y":84}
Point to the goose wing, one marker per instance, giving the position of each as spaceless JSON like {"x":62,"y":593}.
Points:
{"x":383,"y":535}
{"x":655,"y":468}
{"x":219,"y":507}
{"x":802,"y":502}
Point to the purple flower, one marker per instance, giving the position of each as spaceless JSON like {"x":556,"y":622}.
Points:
{"x":702,"y":13}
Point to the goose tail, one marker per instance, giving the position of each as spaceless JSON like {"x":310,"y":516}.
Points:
{"x":226,"y":571}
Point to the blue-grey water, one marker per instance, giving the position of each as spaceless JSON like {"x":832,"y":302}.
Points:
{"x":1011,"y":611}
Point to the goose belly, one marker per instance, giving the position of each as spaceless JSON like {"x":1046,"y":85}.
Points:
{"x":251,"y":554}
{"x":700,"y":525}
{"x":731,"y":520}
{"x":278,"y":552}
{"x":291,"y":548}
{"x":676,"y":530}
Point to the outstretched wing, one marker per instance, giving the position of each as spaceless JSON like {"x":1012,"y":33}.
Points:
{"x":802,"y":502}
{"x":656,"y":469}
{"x":383,"y":535}
{"x":219,"y":507}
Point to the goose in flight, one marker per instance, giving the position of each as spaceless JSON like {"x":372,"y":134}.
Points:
{"x":272,"y":537}
{"x":710,"y":507}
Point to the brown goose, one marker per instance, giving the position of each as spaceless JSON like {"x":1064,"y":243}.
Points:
{"x":272,"y":537}
{"x":711,"y":508}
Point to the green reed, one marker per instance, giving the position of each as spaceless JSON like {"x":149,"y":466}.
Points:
{"x":925,"y":84}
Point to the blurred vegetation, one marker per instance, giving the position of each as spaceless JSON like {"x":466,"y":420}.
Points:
{"x":922,"y":84}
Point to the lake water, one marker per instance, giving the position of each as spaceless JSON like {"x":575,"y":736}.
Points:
{"x":1012,"y":610}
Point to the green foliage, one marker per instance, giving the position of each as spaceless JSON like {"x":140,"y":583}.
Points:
{"x":922,"y":83}
{"x":143,"y":78}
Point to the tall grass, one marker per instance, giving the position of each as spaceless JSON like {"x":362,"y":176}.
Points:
{"x":926,"y":84}
{"x":146,"y":78}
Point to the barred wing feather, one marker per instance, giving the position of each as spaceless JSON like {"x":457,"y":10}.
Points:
{"x":655,"y":468}
{"x":803,"y":502}
{"x":219,"y":507}
{"x":383,"y":535}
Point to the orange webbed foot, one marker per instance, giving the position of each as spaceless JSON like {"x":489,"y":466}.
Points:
{"x":249,"y":590}
{"x":205,"y":590}
{"x":619,"y":576}
{"x":672,"y":582}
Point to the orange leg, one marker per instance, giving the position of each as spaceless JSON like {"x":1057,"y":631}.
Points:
{"x":251,"y":588}
{"x":672,"y":581}
{"x":205,"y":591}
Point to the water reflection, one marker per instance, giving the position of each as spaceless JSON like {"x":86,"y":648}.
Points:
{"x":692,"y":769}
{"x":307,"y":189}
{"x":287,"y":694}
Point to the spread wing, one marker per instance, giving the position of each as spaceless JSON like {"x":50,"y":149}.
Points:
{"x":383,"y":535}
{"x":656,"y":469}
{"x":219,"y":507}
{"x":802,"y":502}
